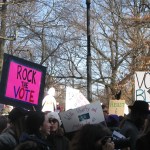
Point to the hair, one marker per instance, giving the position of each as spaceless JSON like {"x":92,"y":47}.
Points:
{"x":113,"y":121}
{"x":17,"y":113}
{"x":103,"y":106}
{"x":34,"y":121}
{"x":3,"y":123}
{"x":87,"y":137}
{"x":17,"y":120}
{"x":146,"y":127}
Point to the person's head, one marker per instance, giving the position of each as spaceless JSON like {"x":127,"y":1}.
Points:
{"x":113,"y":120}
{"x":138,"y":112}
{"x":3,"y":123}
{"x":90,"y":137}
{"x":16,"y":114}
{"x":16,"y":119}
{"x":54,"y":121}
{"x":37,"y":123}
{"x":51,"y":91}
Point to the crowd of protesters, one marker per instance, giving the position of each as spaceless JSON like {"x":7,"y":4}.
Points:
{"x":36,"y":130}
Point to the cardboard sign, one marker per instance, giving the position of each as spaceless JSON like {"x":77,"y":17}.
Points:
{"x":74,"y":119}
{"x":142,"y":86}
{"x":74,"y":99}
{"x":117,"y":107}
{"x":22,"y":83}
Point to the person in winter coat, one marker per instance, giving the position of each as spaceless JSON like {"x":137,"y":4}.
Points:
{"x":37,"y":129}
{"x":133,"y":123}
{"x":9,"y":138}
{"x":143,"y":141}
{"x":56,"y":138}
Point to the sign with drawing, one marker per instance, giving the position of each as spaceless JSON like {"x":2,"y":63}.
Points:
{"x":142,"y":86}
{"x":117,"y":107}
{"x":22,"y":82}
{"x":74,"y":98}
{"x":88,"y":114}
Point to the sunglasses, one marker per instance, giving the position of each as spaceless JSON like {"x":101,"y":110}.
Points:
{"x":53,"y":120}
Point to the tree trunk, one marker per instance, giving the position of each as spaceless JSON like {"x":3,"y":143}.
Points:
{"x":2,"y":32}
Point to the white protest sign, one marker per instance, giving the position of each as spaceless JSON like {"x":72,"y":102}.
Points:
{"x":89,"y":114}
{"x":74,"y":99}
{"x":117,"y":135}
{"x":142,"y":86}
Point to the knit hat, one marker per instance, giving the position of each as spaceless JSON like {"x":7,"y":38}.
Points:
{"x":54,"y":115}
{"x":113,"y":120}
{"x":140,"y":106}
{"x":17,"y":113}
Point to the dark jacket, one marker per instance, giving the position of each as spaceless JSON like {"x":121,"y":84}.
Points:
{"x":143,"y":142}
{"x":58,"y":142}
{"x":8,"y":139}
{"x":129,"y":130}
{"x":41,"y":143}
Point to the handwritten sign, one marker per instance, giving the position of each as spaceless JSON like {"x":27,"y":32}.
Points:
{"x":117,"y":107}
{"x":142,"y":86}
{"x":22,"y":82}
{"x":74,"y":119}
{"x":74,"y":99}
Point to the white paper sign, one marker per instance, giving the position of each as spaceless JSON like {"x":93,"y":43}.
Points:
{"x":74,"y":98}
{"x":142,"y":86}
{"x":75,"y":118}
{"x":117,"y":135}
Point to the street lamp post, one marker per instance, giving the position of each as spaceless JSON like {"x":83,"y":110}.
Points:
{"x":89,"y":87}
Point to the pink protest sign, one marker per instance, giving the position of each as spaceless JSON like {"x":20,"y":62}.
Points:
{"x":23,"y":83}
